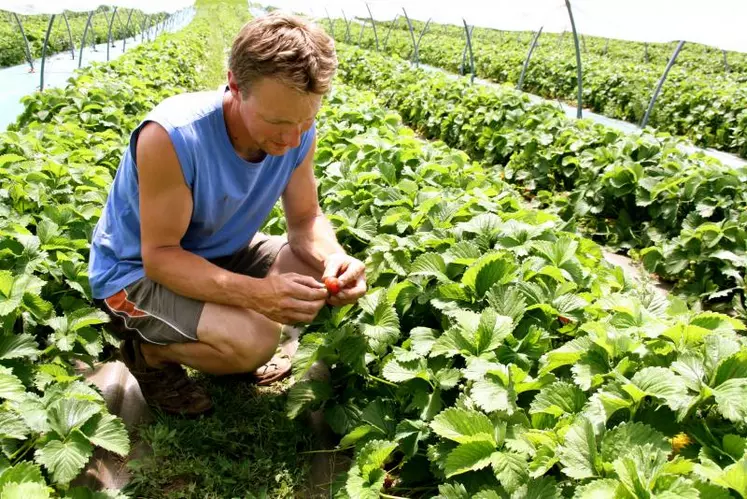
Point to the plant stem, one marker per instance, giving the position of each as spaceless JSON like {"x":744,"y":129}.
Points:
{"x":387,"y":496}
{"x":320,"y":451}
{"x":383,"y":381}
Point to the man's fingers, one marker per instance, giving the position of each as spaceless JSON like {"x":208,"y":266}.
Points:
{"x":352,"y":273}
{"x":307,"y":288}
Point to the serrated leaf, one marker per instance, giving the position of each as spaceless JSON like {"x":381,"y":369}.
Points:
{"x":544,"y":488}
{"x":430,"y":265}
{"x":661,"y":383}
{"x":448,"y":378}
{"x":508,"y":301}
{"x":17,"y":346}
{"x":69,"y":413}
{"x":462,"y":425}
{"x":11,"y":387}
{"x":489,"y":270}
{"x":28,"y":490}
{"x":12,"y":425}
{"x":494,"y":394}
{"x":373,"y":455}
{"x":452,"y":491}
{"x":558,"y":399}
{"x":511,"y":469}
{"x":356,"y":434}
{"x":598,"y":489}
{"x":578,"y":454}
{"x":469,"y":456}
{"x":639,"y":468}
{"x":731,"y":399}
{"x":399,"y":372}
{"x":305,"y":393}
{"x":109,"y":432}
{"x":620,"y":440}
{"x":734,"y":366}
{"x":65,"y":460}
{"x":422,"y":339}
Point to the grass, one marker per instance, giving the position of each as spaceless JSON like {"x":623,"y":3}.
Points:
{"x":246,"y":448}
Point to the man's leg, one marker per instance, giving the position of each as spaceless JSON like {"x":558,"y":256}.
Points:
{"x":231,"y":340}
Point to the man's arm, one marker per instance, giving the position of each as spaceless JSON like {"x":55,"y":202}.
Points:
{"x":312,"y":238}
{"x":310,"y":234}
{"x":165,"y":212}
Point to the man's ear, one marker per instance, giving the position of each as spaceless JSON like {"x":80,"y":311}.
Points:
{"x":233,"y":86}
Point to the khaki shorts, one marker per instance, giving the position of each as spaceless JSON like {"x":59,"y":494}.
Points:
{"x":149,"y":311}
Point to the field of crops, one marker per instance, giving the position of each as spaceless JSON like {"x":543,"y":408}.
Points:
{"x":700,"y":99}
{"x":496,"y":355}
{"x":12,"y":47}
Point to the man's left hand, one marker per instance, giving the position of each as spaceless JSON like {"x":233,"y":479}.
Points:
{"x":351,"y":274}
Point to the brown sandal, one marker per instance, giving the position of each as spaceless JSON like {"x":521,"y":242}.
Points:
{"x":279,"y":367}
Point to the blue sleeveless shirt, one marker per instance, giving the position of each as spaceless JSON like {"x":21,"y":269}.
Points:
{"x":232,"y":197}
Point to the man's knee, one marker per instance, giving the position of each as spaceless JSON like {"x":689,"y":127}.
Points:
{"x":244,"y":339}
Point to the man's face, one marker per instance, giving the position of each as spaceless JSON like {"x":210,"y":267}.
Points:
{"x":276,"y":115}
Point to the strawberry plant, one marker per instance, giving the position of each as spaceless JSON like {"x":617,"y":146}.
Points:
{"x":699,"y":101}
{"x":497,"y":354}
{"x":57,"y":162}
{"x":634,"y":192}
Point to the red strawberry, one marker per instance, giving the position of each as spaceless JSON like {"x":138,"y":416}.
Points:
{"x":332,"y":284}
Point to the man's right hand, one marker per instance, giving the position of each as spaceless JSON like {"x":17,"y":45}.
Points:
{"x":289,"y":298}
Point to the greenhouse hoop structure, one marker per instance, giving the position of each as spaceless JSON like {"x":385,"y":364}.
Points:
{"x":174,"y":10}
{"x":638,"y":20}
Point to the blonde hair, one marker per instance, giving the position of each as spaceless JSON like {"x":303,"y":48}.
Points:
{"x":284,"y":46}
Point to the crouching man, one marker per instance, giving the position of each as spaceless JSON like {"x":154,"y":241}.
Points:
{"x":177,"y":259}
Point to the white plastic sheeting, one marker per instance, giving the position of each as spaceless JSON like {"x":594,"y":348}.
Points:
{"x":717,"y":23}
{"x":30,"y":7}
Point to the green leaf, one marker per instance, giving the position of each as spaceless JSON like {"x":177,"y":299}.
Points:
{"x":639,"y":468}
{"x":731,"y":397}
{"x":661,"y":383}
{"x":17,"y":346}
{"x":382,"y":328}
{"x":430,"y":265}
{"x":508,"y":301}
{"x":12,"y":425}
{"x":462,"y":425}
{"x":495,"y":393}
{"x":734,"y":445}
{"x":109,"y":432}
{"x":422,"y":339}
{"x":558,"y":399}
{"x":543,"y":488}
{"x":578,"y":454}
{"x":6,"y":282}
{"x":28,"y":490}
{"x":448,"y":378}
{"x":598,"y":489}
{"x":491,"y":332}
{"x":306,"y":393}
{"x":732,"y":477}
{"x":65,"y":459}
{"x":511,"y":469}
{"x":69,"y":413}
{"x":23,"y":472}
{"x":625,"y":436}
{"x":373,"y":455}
{"x":452,"y":491}
{"x":732,"y":367}
{"x":469,"y":456}
{"x":356,"y":434}
{"x":361,"y":487}
{"x":399,"y":372}
{"x":491,"y":269}
{"x":11,"y":387}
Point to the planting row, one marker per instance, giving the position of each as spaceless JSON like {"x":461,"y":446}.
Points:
{"x":497,"y":354}
{"x":683,"y":214}
{"x":710,"y":109}
{"x":13,"y":48}
{"x":56,"y":166}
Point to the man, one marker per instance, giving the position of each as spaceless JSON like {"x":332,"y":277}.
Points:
{"x":176,"y":258}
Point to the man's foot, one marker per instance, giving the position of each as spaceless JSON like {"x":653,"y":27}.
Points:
{"x":170,"y":389}
{"x":279,"y":367}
